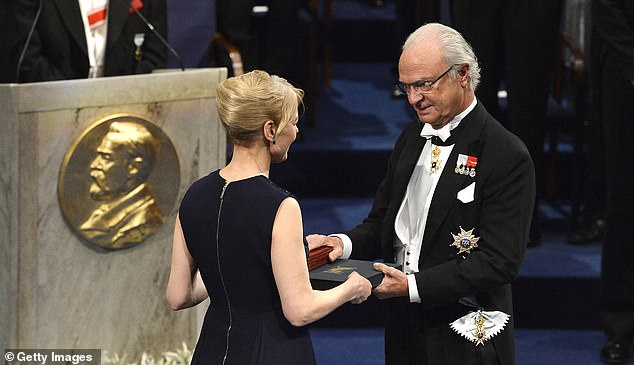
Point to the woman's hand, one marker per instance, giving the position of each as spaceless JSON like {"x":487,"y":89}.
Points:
{"x":360,"y":288}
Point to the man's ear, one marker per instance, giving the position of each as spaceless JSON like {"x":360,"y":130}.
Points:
{"x":463,"y":73}
{"x":269,"y":130}
{"x":135,"y":165}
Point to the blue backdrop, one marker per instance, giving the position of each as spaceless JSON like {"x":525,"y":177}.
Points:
{"x":190,"y":25}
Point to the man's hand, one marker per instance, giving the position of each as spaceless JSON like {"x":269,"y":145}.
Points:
{"x":318,"y":240}
{"x":394,"y":282}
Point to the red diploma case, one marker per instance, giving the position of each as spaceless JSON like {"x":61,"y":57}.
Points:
{"x":318,"y":257}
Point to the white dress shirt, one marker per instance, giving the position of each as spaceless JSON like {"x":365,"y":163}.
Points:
{"x":94,"y":14}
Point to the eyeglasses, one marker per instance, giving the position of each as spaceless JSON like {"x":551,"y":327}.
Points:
{"x":421,"y":86}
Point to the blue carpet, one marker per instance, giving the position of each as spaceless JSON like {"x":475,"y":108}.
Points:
{"x":364,"y":346}
{"x":355,"y":112}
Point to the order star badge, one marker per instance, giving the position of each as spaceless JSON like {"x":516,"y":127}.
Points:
{"x":465,"y":241}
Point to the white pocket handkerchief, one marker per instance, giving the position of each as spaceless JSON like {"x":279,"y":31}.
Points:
{"x":466,"y":195}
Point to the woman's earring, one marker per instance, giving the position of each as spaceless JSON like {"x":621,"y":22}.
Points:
{"x":273,"y":141}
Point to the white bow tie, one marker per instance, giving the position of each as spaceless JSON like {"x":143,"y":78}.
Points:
{"x":443,"y":133}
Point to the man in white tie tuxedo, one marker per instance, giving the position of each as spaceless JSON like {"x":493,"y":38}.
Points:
{"x":454,"y":209}
{"x":74,"y":39}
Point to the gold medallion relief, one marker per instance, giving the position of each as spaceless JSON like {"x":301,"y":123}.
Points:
{"x":118,"y":181}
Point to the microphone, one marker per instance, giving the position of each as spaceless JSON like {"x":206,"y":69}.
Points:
{"x":28,"y":41}
{"x":157,"y":34}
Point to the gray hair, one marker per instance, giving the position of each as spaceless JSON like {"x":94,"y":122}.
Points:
{"x":454,"y":48}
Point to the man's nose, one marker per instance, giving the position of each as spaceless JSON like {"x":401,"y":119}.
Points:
{"x":96,"y":162}
{"x":414,"y":97}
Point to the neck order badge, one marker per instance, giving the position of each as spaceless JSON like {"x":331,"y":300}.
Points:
{"x":435,"y":159}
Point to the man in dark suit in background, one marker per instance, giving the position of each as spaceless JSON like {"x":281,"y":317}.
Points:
{"x":7,"y":43}
{"x":270,"y":42}
{"x":454,"y":210}
{"x":59,"y":49}
{"x":516,"y":42}
{"x":613,"y":21}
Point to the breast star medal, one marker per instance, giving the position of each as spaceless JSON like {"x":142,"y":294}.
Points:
{"x":435,"y":159}
{"x":465,"y":241}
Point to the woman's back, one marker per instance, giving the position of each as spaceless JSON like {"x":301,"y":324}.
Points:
{"x":228,"y":230}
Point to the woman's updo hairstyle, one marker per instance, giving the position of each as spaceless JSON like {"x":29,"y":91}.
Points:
{"x":247,"y":101}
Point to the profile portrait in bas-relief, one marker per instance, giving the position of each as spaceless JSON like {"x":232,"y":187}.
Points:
{"x":114,"y":173}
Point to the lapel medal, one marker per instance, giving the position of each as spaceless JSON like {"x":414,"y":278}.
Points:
{"x":465,"y":241}
{"x":139,"y":38}
{"x":466,"y":165}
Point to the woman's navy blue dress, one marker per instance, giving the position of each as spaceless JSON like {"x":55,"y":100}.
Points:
{"x":228,"y":229}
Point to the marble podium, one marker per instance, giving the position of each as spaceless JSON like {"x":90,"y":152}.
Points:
{"x":57,"y":290}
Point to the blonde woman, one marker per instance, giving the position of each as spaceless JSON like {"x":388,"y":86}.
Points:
{"x":238,"y":239}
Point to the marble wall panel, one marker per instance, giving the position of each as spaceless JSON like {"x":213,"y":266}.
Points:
{"x":68,"y":293}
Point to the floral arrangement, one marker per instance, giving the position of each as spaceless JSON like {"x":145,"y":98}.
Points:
{"x":182,"y":356}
